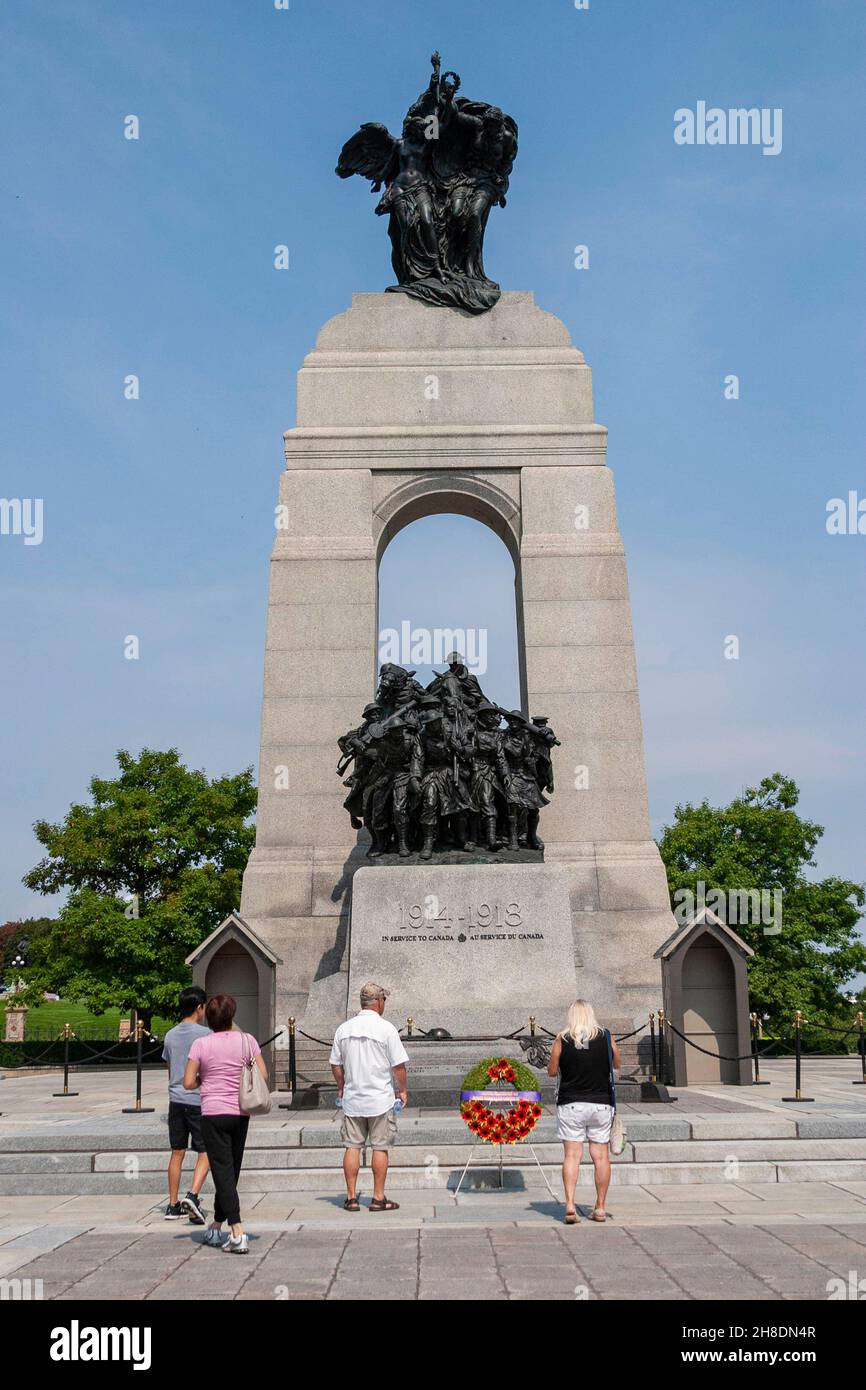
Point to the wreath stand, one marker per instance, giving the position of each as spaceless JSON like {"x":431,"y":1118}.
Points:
{"x":476,"y":1145}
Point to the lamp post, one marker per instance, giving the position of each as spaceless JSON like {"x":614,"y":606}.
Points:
{"x":21,"y":960}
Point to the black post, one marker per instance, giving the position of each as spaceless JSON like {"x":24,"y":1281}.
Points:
{"x":663,"y":1060}
{"x":756,"y":1031}
{"x":797,"y":1098}
{"x":67,"y":1034}
{"x":293,"y":1068}
{"x":138,"y":1108}
{"x":654,"y":1054}
{"x":861,"y":1042}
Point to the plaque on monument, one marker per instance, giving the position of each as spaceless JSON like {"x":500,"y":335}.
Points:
{"x":468,"y":948}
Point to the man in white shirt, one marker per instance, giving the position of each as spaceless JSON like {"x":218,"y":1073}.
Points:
{"x":367,"y":1058}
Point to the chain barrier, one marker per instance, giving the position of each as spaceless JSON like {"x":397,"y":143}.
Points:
{"x":800,"y":1022}
{"x":67,"y":1037}
{"x":723,"y":1057}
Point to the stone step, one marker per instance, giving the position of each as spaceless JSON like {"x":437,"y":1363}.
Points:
{"x":663,"y":1126}
{"x":442,"y":1176}
{"x":456,"y":1152}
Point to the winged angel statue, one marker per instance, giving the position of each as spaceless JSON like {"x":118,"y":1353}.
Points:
{"x":442,"y":176}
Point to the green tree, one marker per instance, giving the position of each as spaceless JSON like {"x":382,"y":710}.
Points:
{"x":154,"y":862}
{"x":760,"y":842}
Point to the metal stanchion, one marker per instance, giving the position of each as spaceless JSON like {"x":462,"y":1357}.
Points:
{"x":755,"y":1023}
{"x":663,"y":1052}
{"x":410,"y":1026}
{"x":138,"y":1108}
{"x":293,"y":1066}
{"x":67,"y":1034}
{"x":654,"y":1074}
{"x":861,"y":1048}
{"x":532,"y":1021}
{"x":798,"y":1098}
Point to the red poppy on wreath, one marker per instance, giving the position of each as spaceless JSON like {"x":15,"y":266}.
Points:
{"x":498,"y":1126}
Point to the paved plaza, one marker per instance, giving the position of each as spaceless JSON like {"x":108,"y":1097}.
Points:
{"x":513,"y":1259}
{"x":732,"y":1238}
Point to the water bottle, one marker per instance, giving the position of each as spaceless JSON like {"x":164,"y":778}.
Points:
{"x":338,"y":1101}
{"x":398,"y":1106}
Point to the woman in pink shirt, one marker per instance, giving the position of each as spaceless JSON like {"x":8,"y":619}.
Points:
{"x":215,"y":1064}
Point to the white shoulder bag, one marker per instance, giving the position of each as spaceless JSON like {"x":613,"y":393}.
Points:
{"x":254,"y":1095}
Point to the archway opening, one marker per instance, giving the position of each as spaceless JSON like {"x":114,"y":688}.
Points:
{"x":709,"y":1012}
{"x":233,"y":971}
{"x":448,"y":582}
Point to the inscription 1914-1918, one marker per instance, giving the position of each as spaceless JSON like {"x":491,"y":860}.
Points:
{"x":432,"y":914}
{"x":434,"y":920}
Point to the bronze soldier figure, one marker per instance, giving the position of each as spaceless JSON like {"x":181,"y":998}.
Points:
{"x":489,"y":770}
{"x":522,"y":792}
{"x":435,"y":766}
{"x":395,"y":785}
{"x":445,"y":791}
{"x":356,"y":745}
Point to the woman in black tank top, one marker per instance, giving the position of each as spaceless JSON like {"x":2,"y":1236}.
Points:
{"x":580,"y":1058}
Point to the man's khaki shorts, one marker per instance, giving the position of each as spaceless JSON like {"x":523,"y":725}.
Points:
{"x":369,"y":1131}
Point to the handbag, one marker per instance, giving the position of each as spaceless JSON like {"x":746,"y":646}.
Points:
{"x":254,"y":1093}
{"x":617,"y":1128}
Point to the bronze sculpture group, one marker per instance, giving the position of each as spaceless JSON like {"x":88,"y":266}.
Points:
{"x":449,"y":167}
{"x":433,"y":769}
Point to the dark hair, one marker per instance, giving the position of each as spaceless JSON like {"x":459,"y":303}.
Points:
{"x":220,"y":1012}
{"x":190,"y":998}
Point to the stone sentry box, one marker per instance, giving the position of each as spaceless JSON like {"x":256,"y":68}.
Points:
{"x":506,"y":436}
{"x":706,"y":996}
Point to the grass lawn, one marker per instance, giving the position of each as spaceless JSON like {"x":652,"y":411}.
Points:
{"x":51,"y":1015}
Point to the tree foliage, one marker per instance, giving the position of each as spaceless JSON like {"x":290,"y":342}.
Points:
{"x":760,"y":842}
{"x":154,"y":861}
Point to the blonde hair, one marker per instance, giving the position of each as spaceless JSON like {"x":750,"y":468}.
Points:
{"x":583,"y":1025}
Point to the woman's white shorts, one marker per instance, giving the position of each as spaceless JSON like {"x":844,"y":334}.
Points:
{"x":584,"y":1120}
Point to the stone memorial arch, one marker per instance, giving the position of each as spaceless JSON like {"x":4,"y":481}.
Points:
{"x":403,"y":410}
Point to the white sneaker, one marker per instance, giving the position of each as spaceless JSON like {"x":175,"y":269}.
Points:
{"x":214,"y":1237}
{"x":237,"y":1246}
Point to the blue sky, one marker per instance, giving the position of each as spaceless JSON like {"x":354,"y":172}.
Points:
{"x":155,"y":257}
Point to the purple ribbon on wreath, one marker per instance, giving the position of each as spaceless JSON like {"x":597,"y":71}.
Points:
{"x":505,"y":1096}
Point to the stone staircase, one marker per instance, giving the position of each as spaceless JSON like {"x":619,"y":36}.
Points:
{"x":290,"y":1152}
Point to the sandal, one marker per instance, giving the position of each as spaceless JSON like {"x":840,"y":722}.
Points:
{"x":384,"y":1205}
{"x":351,"y":1204}
{"x":571,"y":1218}
{"x":598,"y":1215}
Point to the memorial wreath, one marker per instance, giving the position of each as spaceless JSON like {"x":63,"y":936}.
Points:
{"x":498,"y":1126}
